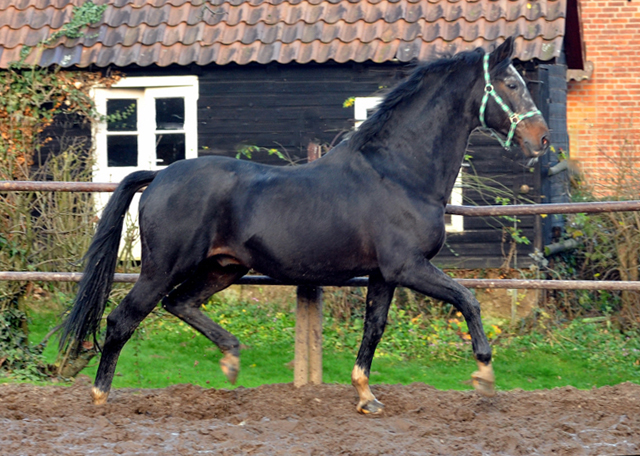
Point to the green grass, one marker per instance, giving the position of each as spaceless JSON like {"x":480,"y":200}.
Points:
{"x":542,"y":369}
{"x":165,"y":351}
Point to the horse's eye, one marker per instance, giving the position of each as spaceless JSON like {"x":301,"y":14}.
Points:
{"x":512,"y":86}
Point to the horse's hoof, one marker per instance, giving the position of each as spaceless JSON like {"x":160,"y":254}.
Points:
{"x":483,"y":383}
{"x":99,"y":397}
{"x":230,"y":366}
{"x":484,"y":387}
{"x":373,"y":407}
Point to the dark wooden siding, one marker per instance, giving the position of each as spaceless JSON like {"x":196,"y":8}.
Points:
{"x":555,"y":189}
{"x":282,"y":106}
{"x":499,"y":173}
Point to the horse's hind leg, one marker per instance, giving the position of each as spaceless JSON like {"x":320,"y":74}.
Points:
{"x":379,"y":295}
{"x":121,"y":323}
{"x":184,"y":302}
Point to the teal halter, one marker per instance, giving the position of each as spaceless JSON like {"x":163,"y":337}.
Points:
{"x":514,"y":118}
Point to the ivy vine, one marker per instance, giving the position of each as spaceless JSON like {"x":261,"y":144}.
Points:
{"x":31,"y":98}
{"x":81,"y":17}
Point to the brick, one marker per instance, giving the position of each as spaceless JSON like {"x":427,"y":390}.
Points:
{"x":601,"y":111}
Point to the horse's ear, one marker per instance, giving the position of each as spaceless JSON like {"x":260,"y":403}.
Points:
{"x":502,"y":52}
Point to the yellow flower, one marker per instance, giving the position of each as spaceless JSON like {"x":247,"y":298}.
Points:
{"x":349,"y":102}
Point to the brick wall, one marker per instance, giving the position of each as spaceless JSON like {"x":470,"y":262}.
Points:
{"x":603,"y":112}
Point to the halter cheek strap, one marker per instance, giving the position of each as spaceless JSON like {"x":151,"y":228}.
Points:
{"x":514,"y":118}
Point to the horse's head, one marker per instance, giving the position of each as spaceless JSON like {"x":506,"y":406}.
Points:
{"x":507,"y":107}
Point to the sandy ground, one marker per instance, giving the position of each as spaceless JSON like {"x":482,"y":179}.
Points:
{"x":318,"y":420}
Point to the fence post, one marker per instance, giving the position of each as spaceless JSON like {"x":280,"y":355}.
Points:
{"x":308,"y":344}
{"x":307,"y":364}
{"x":315,"y":337}
{"x":301,"y":356}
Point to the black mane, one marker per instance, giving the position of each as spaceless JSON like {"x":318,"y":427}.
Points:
{"x":407,"y":89}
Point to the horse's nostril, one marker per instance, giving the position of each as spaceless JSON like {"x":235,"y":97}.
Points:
{"x":545,"y":141}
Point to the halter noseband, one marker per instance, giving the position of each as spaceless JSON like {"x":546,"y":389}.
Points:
{"x":514,"y":118}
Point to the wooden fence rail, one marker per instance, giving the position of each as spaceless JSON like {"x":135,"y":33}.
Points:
{"x":469,"y":211}
{"x":510,"y":284}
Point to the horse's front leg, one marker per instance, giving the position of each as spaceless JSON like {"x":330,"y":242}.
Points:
{"x":425,"y":278}
{"x":379,"y":296}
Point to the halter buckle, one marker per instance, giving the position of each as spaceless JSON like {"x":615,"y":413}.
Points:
{"x":488,"y":88}
{"x":515,"y":118}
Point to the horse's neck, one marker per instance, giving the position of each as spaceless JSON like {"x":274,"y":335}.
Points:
{"x":425,"y":151}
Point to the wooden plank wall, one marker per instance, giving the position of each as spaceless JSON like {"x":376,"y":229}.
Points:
{"x":498,"y":173}
{"x":555,"y":188}
{"x":282,"y":106}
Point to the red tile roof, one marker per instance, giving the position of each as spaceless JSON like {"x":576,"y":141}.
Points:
{"x":165,"y":32}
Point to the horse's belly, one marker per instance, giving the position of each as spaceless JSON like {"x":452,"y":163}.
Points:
{"x":311,"y":260}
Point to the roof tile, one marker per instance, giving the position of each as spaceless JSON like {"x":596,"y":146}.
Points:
{"x":23,"y":36}
{"x":165,"y":32}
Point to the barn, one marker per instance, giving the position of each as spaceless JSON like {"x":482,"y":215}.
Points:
{"x":221,"y":77}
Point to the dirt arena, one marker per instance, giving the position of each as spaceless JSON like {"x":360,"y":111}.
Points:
{"x":318,"y":420}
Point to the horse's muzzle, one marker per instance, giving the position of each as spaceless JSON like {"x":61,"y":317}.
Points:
{"x":542,"y":148}
{"x":536,"y":145}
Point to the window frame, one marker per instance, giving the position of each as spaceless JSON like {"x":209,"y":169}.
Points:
{"x":145,"y":89}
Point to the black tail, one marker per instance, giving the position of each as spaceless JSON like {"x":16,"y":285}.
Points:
{"x":100,"y":264}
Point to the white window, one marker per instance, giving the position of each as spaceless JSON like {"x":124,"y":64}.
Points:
{"x":152,"y":122}
{"x":364,"y":107}
{"x":455,"y":223}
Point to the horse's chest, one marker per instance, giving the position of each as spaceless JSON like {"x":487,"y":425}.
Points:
{"x":431,"y":238}
{"x":422,"y":230}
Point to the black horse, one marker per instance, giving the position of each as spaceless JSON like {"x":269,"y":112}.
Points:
{"x":374,"y":205}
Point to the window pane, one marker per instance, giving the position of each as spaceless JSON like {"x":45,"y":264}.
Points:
{"x":170,"y":148}
{"x":122,"y":150}
{"x":122,"y":114}
{"x":169,"y":113}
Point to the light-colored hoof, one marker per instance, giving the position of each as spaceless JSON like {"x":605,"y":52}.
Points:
{"x":230,"y":365}
{"x":484,"y":387}
{"x":99,"y":397}
{"x":372,"y":407}
{"x":484,"y":380}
